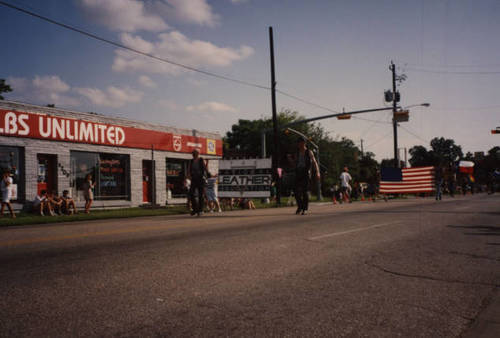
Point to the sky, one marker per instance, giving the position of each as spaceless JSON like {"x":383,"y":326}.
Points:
{"x":335,"y":54}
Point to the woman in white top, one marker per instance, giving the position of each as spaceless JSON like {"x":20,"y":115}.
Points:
{"x":88,"y":192}
{"x":6,"y":188}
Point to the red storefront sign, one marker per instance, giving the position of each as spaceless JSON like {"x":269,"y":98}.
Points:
{"x":55,"y":128}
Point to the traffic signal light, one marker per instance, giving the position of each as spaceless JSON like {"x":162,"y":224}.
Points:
{"x":495,"y":131}
{"x":398,"y":97}
{"x":344,"y":117}
{"x":388,"y":96}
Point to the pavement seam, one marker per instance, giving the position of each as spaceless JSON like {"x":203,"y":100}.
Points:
{"x":374,"y":226}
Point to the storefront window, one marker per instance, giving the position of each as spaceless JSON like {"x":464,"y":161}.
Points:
{"x":110,"y":172}
{"x":11,"y":160}
{"x":113,"y":176}
{"x":175,"y":178}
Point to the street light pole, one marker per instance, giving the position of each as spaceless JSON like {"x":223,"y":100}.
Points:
{"x":275,"y":119}
{"x":394,"y":109}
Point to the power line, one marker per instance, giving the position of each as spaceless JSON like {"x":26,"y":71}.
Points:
{"x":372,"y":124}
{"x":380,"y":139}
{"x":119,"y":45}
{"x":451,"y":72}
{"x":370,"y":120}
{"x":415,"y":135}
{"x":308,"y":102}
{"x":453,"y":66}
{"x":467,"y":108}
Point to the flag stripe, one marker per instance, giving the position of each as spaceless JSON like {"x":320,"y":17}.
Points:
{"x":412,"y":180}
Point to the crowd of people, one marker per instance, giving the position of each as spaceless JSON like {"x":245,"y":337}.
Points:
{"x":47,"y":202}
{"x":50,"y":203}
{"x":201,"y":186}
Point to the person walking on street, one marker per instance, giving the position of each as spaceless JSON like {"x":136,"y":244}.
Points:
{"x":6,"y":190}
{"x":212,"y":200}
{"x":345,"y":179}
{"x":438,"y":178}
{"x":196,"y":173}
{"x":304,"y":161}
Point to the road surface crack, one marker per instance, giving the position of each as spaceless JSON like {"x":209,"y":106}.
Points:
{"x":403,"y":274}
{"x":474,"y":256}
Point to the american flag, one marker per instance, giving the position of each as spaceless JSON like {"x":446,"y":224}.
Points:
{"x":407,"y":180}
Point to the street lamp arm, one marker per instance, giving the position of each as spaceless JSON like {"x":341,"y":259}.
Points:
{"x":418,"y":105}
{"x":354,"y":112}
{"x":304,"y":136}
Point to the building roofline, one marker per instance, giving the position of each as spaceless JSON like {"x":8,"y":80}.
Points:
{"x":15,"y":105}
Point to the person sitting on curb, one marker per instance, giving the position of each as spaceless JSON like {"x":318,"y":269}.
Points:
{"x":41,"y":203}
{"x":55,"y":202}
{"x":69,"y":206}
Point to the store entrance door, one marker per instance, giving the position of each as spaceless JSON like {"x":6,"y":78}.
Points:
{"x":47,"y":172}
{"x":147,"y":180}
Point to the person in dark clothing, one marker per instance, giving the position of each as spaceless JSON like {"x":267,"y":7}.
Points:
{"x":438,"y":179}
{"x":304,"y":161}
{"x":196,"y":173}
{"x":452,"y":179}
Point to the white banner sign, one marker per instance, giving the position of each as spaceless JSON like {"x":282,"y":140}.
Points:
{"x":245,"y":178}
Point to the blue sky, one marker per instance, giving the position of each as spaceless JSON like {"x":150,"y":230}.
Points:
{"x":333,"y":53}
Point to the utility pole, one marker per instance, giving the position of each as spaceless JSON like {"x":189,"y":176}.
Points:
{"x":275,"y":120}
{"x":394,"y":108}
{"x":362,"y":153}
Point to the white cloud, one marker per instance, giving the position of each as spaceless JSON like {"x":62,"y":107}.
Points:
{"x":123,"y":15}
{"x":175,"y":46}
{"x":49,"y":89}
{"x":167,"y":104}
{"x":212,"y":107}
{"x":196,"y":82}
{"x":187,"y":11}
{"x":146,"y":81}
{"x":113,"y":97}
{"x":135,"y":15}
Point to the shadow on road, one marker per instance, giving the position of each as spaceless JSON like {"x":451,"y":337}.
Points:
{"x":493,"y":213}
{"x":481,"y":230}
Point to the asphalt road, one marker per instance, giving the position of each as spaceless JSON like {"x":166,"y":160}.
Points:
{"x":407,"y":268}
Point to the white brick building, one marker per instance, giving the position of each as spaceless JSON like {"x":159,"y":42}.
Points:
{"x":132,"y":163}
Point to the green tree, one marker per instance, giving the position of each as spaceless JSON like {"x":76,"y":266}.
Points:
{"x":445,"y":151}
{"x":387,"y":162}
{"x":244,"y":140}
{"x":420,"y":157}
{"x":4,"y":88}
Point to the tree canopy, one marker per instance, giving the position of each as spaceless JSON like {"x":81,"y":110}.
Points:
{"x":443,"y":151}
{"x":244,"y":139}
{"x":4,"y":88}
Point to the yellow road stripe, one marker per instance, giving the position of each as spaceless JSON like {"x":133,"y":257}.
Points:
{"x":83,"y":235}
